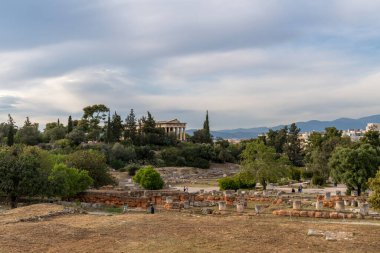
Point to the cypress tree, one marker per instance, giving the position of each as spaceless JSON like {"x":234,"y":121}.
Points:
{"x":109,"y":131}
{"x":69,"y":125}
{"x":11,"y":132}
{"x":206,"y":129}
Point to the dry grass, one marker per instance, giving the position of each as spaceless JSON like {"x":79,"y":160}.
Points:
{"x":175,"y":232}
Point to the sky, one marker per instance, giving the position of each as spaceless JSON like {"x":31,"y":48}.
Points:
{"x":249,"y":63}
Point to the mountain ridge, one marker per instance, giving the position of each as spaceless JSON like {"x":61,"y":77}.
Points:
{"x":305,"y":126}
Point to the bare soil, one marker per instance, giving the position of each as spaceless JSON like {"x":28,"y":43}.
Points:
{"x":175,"y":232}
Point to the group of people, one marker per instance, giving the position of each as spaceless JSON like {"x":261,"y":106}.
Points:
{"x":299,"y":189}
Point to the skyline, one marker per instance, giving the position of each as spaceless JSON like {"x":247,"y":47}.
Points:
{"x":249,"y":63}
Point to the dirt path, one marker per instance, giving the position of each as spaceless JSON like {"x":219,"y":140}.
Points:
{"x":178,"y":232}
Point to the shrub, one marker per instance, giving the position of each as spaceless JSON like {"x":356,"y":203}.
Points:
{"x":132,"y":169}
{"x":120,"y":152}
{"x":67,"y":182}
{"x":228,"y":183}
{"x":149,"y":179}
{"x":94,"y":162}
{"x":374,"y":185}
{"x":306,"y":174}
{"x":117,"y":164}
{"x":318,"y":180}
{"x":199,"y":163}
{"x":295,"y":174}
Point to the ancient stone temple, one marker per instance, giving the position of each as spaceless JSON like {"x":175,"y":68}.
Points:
{"x":173,"y":127}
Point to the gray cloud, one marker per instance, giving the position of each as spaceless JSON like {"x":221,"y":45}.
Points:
{"x":250,"y":63}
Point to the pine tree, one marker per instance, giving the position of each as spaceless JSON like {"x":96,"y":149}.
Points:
{"x":27,"y":122}
{"x":69,"y":125}
{"x":116,"y":127}
{"x":11,"y":131}
{"x":149,"y":124}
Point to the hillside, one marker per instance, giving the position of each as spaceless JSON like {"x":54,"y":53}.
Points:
{"x":312,"y":125}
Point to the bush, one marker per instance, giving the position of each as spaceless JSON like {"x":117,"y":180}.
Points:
{"x":295,"y":174}
{"x":374,"y":185}
{"x":120,"y":152}
{"x":94,"y":162}
{"x":132,"y":169}
{"x":306,"y":174}
{"x":149,"y":179}
{"x":199,"y":163}
{"x":67,"y":182}
{"x":117,"y":164}
{"x":228,"y":183}
{"x":318,"y":180}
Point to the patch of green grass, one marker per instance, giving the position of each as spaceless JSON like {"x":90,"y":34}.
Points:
{"x":113,"y":209}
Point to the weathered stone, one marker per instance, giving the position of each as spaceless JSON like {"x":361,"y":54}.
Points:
{"x":327,"y":196}
{"x":338,"y":193}
{"x":297,"y":204}
{"x":354,"y":203}
{"x":354,"y":193}
{"x":259,"y":209}
{"x":334,"y":215}
{"x":240,"y":207}
{"x":364,"y":208}
{"x":207,"y":211}
{"x":339,"y":205}
{"x":319,"y":205}
{"x":222,"y":206}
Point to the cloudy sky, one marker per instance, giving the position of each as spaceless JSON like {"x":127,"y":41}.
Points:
{"x":250,"y":63}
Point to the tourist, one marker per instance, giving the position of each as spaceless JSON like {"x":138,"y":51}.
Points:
{"x":151,"y":208}
{"x":293,"y":191}
{"x":184,"y":189}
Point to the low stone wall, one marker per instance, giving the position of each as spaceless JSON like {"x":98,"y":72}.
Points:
{"x":318,"y":214}
{"x":133,"y":199}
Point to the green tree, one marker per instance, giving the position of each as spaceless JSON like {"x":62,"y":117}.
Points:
{"x":277,"y":139}
{"x":354,"y":166}
{"x":262,"y":164}
{"x":94,"y":114}
{"x":293,"y":146}
{"x":67,"y":182}
{"x":116,"y":127}
{"x":76,"y":137}
{"x":109,"y":130}
{"x":54,"y":131}
{"x":19,"y":173}
{"x":371,"y":137}
{"x":374,"y":185}
{"x":28,"y":134}
{"x":149,"y":124}
{"x":11,"y":131}
{"x":130,"y":125}
{"x":70,"y":125}
{"x":94,"y":162}
{"x":321,"y":148}
{"x":149,"y":178}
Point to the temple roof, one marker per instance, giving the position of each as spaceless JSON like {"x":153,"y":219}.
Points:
{"x":173,"y":121}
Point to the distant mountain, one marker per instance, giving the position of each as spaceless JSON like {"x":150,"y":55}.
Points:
{"x":312,"y":125}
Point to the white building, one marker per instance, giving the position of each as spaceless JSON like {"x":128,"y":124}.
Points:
{"x":354,"y":134}
{"x":373,"y":127}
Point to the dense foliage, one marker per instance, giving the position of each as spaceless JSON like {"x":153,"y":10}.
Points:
{"x":149,"y":179}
